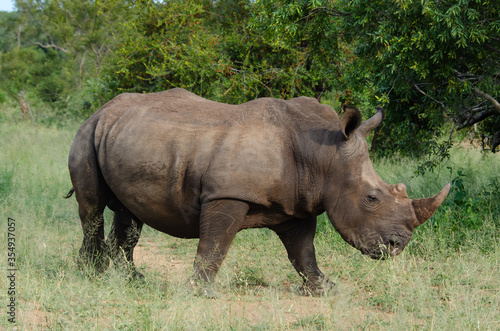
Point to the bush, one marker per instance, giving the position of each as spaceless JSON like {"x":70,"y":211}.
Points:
{"x":209,"y":50}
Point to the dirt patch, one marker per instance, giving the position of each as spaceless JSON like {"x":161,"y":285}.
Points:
{"x":471,"y":144}
{"x":148,"y":255}
{"x":256,"y":304}
{"x":477,"y":145}
{"x":34,"y":316}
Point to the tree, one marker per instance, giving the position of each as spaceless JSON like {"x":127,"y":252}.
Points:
{"x":427,"y":62}
{"x":209,"y":48}
{"x":26,"y":68}
{"x":8,"y":30}
{"x":167,"y":45}
{"x":30,"y":68}
{"x":85,"y":30}
{"x":52,"y":50}
{"x":431,"y":61}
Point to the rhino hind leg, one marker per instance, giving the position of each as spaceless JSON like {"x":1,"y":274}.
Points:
{"x":123,"y":237}
{"x":94,"y":253}
{"x":297,"y":235}
{"x":91,"y":193}
{"x":219,"y":222}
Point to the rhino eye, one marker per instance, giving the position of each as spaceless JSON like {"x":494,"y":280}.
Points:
{"x":371,"y":199}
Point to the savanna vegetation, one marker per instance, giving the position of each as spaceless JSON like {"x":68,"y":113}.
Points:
{"x":433,"y":65}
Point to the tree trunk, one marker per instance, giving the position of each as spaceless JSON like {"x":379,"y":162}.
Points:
{"x":24,"y":106}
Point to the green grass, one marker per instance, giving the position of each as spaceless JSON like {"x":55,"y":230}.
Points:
{"x":447,"y":278}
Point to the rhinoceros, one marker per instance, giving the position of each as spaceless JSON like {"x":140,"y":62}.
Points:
{"x":195,"y":168}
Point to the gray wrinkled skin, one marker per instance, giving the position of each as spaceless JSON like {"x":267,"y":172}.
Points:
{"x":195,"y":168}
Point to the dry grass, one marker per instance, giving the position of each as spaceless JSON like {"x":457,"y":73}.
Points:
{"x":430,"y":286}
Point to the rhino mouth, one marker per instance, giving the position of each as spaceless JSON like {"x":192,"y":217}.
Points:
{"x":382,"y":251}
{"x":393,"y":247}
{"x":381,"y":248}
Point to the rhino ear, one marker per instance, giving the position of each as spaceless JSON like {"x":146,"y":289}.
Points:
{"x":350,"y":121}
{"x":372,"y":122}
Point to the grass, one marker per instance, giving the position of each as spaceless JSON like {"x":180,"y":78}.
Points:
{"x":447,"y":278}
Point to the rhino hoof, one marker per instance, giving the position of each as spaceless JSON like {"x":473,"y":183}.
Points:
{"x":324,"y":288}
{"x":206,"y":293}
{"x":203,"y":290}
{"x":135,"y":277}
{"x":93,"y":265}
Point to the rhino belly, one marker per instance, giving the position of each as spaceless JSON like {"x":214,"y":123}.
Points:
{"x":154,"y":207}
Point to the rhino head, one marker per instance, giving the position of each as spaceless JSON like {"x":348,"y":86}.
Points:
{"x":375,"y":217}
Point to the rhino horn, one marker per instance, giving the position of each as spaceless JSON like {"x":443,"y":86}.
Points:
{"x":372,"y":122}
{"x":425,"y":208}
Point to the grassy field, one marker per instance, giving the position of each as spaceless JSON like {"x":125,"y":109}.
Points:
{"x":446,"y":279}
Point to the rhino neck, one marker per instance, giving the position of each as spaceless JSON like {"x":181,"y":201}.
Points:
{"x":315,"y":158}
{"x":310,"y":195}
{"x":345,"y":165}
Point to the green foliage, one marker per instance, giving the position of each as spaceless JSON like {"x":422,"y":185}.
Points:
{"x":426,"y":62}
{"x":425,"y":59}
{"x":167,"y":46}
{"x":8,"y":27}
{"x":309,"y":25}
{"x":31,"y":68}
{"x":432,"y":65}
{"x":84,"y":30}
{"x":208,"y":48}
{"x":52,"y":50}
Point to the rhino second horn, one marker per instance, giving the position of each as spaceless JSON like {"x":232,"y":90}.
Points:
{"x":367,"y":126}
{"x":425,"y":208}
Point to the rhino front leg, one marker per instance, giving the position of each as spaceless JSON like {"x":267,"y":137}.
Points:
{"x":123,"y":237}
{"x":220,"y":220}
{"x":298,"y":237}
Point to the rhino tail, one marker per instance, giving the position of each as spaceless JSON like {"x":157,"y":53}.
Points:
{"x":70,"y":193}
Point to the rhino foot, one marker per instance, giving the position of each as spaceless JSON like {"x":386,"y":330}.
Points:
{"x":93,"y":261}
{"x":128,"y":271}
{"x":205,"y":292}
{"x":201,"y":289}
{"x":323,"y":287}
{"x":135,"y":276}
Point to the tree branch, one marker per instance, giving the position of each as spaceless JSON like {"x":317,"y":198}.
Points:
{"x":493,"y":48}
{"x":476,"y":117}
{"x":332,"y":12}
{"x":51,"y":45}
{"x":463,"y":77}
{"x":485,"y":96}
{"x":433,"y":99}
